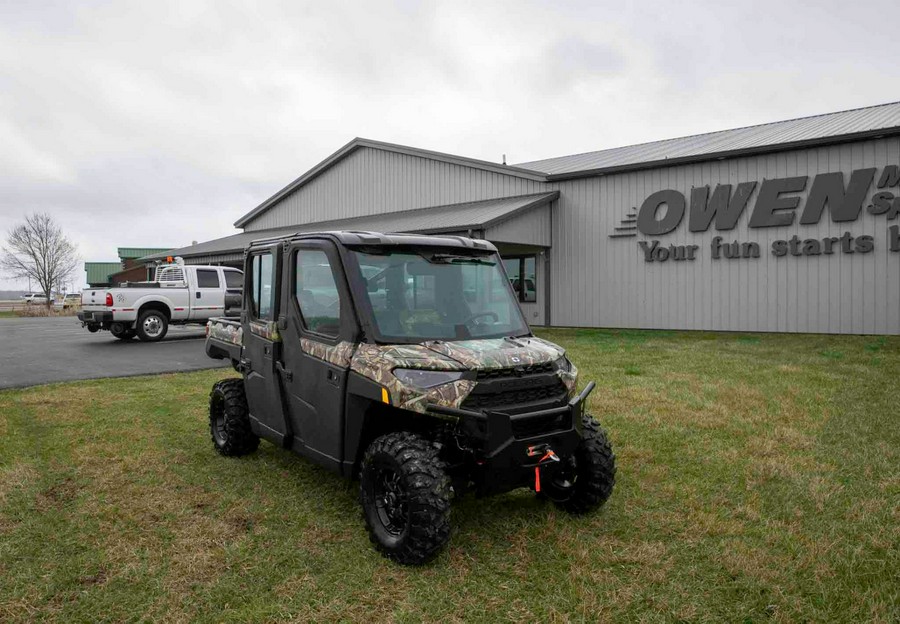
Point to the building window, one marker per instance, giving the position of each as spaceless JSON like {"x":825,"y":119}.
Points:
{"x":522,"y":273}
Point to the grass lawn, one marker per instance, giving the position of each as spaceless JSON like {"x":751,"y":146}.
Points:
{"x":8,"y":314}
{"x":759,"y":480}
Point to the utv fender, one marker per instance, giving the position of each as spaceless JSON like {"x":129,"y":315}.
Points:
{"x":363,"y":398}
{"x":368,"y":416}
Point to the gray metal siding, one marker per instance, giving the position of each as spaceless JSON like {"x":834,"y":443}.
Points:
{"x":371,"y":181}
{"x":529,"y":228}
{"x":603,"y":282}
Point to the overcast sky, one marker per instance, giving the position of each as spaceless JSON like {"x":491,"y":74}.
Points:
{"x":158,"y":123}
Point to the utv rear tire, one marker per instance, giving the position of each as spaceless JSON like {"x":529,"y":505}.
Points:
{"x":595,"y":470}
{"x":152,"y":326}
{"x":405,"y":496}
{"x":229,"y":419}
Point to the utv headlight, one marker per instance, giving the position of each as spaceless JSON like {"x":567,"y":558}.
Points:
{"x":563,"y":364}
{"x":425,"y":378}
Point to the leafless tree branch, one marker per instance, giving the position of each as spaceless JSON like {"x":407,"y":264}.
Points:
{"x":38,"y":250}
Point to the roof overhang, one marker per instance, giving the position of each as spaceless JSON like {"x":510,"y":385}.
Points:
{"x":465,"y":218}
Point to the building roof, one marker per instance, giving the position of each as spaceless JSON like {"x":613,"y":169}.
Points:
{"x":858,"y":123}
{"x":448,"y":218}
{"x":829,"y":128}
{"x":99,"y":272}
{"x":358,"y":143}
{"x":139,"y":252}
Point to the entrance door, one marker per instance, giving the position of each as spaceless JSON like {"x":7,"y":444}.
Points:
{"x":321,"y":323}
{"x":525,"y":274}
{"x":262,"y":346}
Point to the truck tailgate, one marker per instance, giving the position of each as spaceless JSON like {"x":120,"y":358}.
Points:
{"x":93,"y":297}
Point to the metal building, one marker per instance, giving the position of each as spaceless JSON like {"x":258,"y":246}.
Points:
{"x":784,"y":227}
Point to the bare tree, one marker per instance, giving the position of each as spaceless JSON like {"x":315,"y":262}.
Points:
{"x":38,"y":250}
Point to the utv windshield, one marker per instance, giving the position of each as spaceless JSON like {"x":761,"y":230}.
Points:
{"x":437,"y":295}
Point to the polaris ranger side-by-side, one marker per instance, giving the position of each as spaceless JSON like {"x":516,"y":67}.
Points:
{"x":404,"y":360}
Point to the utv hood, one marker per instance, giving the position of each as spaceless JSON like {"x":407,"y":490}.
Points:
{"x":498,"y":352}
{"x":462,"y":354}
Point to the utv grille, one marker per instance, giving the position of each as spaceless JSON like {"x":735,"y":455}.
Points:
{"x":518,"y":391}
{"x":518,"y":371}
{"x":509,"y":400}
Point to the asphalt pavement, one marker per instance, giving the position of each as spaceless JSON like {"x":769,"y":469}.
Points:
{"x":45,"y":350}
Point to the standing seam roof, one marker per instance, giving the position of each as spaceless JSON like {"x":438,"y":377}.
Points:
{"x":873,"y":119}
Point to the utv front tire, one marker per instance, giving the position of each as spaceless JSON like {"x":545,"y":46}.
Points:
{"x":405,"y":496}
{"x":595,"y":470}
{"x":229,"y":419}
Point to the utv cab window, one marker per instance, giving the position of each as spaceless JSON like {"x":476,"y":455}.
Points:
{"x":439,"y":296}
{"x":262,"y":290}
{"x":316,"y":292}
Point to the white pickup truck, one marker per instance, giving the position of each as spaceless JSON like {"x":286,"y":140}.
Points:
{"x":181,"y":294}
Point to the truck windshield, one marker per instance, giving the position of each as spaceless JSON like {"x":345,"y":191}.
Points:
{"x":439,"y":296}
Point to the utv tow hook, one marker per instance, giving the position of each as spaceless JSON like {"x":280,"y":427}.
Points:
{"x":548,"y":455}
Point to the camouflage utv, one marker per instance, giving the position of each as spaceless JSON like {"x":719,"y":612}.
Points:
{"x":404,"y":360}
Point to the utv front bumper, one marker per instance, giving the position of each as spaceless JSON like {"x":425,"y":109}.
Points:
{"x":508,"y":456}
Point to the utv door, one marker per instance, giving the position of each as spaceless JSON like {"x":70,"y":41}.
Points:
{"x":262,"y":345}
{"x":320,"y":329}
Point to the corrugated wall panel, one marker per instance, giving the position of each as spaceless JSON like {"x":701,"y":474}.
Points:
{"x":371,"y":181}
{"x":599,"y":281}
{"x":529,"y":228}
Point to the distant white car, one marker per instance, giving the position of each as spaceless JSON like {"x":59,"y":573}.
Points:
{"x":35,"y":299}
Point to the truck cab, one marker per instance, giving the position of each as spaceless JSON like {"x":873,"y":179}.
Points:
{"x":404,"y":360}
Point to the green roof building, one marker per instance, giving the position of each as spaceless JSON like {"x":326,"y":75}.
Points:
{"x":98,"y":272}
{"x":126,"y":269}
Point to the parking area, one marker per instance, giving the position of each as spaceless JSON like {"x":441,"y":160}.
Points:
{"x":46,"y":350}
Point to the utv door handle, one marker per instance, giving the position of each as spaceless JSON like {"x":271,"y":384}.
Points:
{"x":332,"y":377}
{"x":288,"y":375}
{"x":198,"y":294}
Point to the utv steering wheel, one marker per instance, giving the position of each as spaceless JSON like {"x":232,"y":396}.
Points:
{"x":490,"y":313}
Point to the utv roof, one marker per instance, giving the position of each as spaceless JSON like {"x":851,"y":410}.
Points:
{"x":353,"y":237}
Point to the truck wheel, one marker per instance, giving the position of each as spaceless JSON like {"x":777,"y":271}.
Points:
{"x":152,"y":326}
{"x":229,"y":419}
{"x":595,"y":470}
{"x":93,"y":328}
{"x":405,"y":495}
